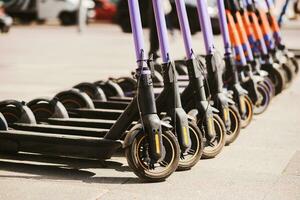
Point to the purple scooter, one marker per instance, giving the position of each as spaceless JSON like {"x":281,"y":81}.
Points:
{"x":151,"y":149}
{"x":214,"y":66}
{"x":231,"y":75}
{"x":194,"y":97}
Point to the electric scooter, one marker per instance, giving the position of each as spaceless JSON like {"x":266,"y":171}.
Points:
{"x":167,"y":101}
{"x":278,"y":37}
{"x":151,"y":149}
{"x":194,"y":96}
{"x":277,"y":67}
{"x":214,"y":66}
{"x":256,"y":85}
{"x":211,"y":124}
{"x":231,"y":74}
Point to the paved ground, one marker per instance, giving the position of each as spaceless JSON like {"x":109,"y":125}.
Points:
{"x":264,"y":163}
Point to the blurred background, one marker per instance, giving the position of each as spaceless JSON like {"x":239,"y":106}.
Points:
{"x":49,"y":45}
{"x":66,"y":12}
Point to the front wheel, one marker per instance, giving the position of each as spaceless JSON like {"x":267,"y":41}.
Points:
{"x":288,"y":73}
{"x":137,"y":155}
{"x":264,"y":97}
{"x":295,"y":64}
{"x":193,"y":155}
{"x":235,"y":126}
{"x":213,"y":148}
{"x":248,"y":106}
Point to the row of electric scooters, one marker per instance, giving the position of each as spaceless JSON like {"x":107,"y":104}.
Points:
{"x":168,"y":115}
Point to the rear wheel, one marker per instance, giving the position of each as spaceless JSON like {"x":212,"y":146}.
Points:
{"x":193,"y":155}
{"x":235,"y":126}
{"x":213,"y":148}
{"x":138,"y":159}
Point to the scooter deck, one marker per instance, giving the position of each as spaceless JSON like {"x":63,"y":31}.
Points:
{"x":110,"y":104}
{"x":81,"y":122}
{"x":57,"y":129}
{"x":14,"y":141}
{"x":95,"y":113}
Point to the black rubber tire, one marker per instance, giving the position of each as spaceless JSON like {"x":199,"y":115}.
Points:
{"x":277,"y":77}
{"x":128,"y":84}
{"x":295,"y":63}
{"x":235,"y":127}
{"x":288,"y":74}
{"x":270,"y":86}
{"x":92,"y":90}
{"x":197,"y":147}
{"x":249,"y":112}
{"x":144,"y":173}
{"x":259,"y":109}
{"x":75,"y":99}
{"x":221,"y":134}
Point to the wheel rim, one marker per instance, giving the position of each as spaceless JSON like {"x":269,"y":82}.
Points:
{"x":249,"y":113}
{"x":189,"y":156}
{"x":159,"y":168}
{"x":265,"y":101}
{"x":219,"y":137}
{"x":233,"y":126}
{"x":270,"y":85}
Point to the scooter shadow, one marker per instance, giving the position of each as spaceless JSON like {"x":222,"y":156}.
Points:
{"x":41,"y":167}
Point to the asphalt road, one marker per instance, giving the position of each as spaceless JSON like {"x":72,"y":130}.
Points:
{"x":264,"y":163}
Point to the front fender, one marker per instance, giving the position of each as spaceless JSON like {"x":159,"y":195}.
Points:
{"x":225,"y":100}
{"x":136,"y":129}
{"x":257,"y":79}
{"x":240,"y":90}
{"x":3,"y":123}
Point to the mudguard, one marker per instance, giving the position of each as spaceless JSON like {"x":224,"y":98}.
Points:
{"x":240,"y":90}
{"x":224,"y":99}
{"x":3,"y":123}
{"x":57,"y":109}
{"x":257,"y":78}
{"x":26,"y":115}
{"x":110,"y":88}
{"x":136,"y":130}
{"x":67,"y":98}
{"x":263,"y":73}
{"x":94,"y":92}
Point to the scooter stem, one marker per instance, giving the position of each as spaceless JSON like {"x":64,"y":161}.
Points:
{"x":206,"y":26}
{"x":161,"y":30}
{"x":185,"y":28}
{"x":175,"y":110}
{"x":224,"y":29}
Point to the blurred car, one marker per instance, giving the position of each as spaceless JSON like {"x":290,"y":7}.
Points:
{"x":105,"y":10}
{"x":42,"y":10}
{"x":191,"y":5}
{"x":5,"y":20}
